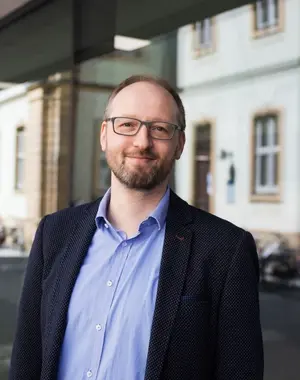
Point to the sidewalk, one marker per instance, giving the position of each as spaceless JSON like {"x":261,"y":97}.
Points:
{"x":5,"y":352}
{"x":12,"y":252}
{"x":293,"y":283}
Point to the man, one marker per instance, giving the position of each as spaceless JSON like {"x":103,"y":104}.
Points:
{"x":140,"y":285}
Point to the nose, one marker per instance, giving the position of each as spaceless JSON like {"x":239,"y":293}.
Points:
{"x":142,"y":139}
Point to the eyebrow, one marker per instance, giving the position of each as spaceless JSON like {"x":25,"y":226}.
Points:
{"x":152,"y":119}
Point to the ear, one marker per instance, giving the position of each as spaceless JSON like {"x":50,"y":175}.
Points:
{"x":180,"y":145}
{"x":103,"y":135}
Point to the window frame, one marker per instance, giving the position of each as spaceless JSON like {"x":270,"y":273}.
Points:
{"x":267,"y":29}
{"x":269,"y":192}
{"x":198,"y":49}
{"x":18,"y":157}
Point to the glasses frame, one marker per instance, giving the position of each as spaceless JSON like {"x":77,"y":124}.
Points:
{"x":147,"y":124}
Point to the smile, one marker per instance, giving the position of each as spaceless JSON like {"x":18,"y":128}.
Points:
{"x":140,"y":158}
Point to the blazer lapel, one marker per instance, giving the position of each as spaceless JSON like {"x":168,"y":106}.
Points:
{"x":71,"y":260}
{"x":174,"y":263}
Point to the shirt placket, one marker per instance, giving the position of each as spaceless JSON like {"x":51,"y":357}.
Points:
{"x":111,"y":285}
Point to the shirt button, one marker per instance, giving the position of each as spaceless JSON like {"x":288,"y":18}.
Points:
{"x":124,"y":244}
{"x":98,"y":327}
{"x":106,"y":225}
{"x":89,"y":374}
{"x":109,"y":283}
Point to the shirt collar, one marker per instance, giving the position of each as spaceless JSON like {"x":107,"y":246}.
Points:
{"x":101,"y":213}
{"x":159,"y":214}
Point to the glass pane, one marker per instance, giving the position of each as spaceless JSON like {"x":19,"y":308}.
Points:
{"x":276,"y":131}
{"x":257,"y":170}
{"x":263,"y":170}
{"x":257,"y":133}
{"x":272,"y":13}
{"x":265,"y":12}
{"x":276,"y":168}
{"x":20,"y":141}
{"x":206,"y":32}
{"x":20,"y":173}
{"x":264,"y":135}
{"x":202,"y":33}
{"x":259,"y":15}
{"x":277,"y":9}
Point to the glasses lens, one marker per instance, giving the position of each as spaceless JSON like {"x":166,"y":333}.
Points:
{"x":158,"y":130}
{"x":126,"y":126}
{"x":161,"y":130}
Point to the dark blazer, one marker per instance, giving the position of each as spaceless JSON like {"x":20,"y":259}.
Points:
{"x":206,"y":322}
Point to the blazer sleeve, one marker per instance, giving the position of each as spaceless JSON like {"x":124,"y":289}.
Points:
{"x":26,"y":356}
{"x":239,"y":338}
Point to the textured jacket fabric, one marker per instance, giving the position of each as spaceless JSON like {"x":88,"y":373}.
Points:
{"x":206,"y":323}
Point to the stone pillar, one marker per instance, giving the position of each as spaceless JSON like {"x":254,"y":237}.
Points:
{"x":66,"y":147}
{"x":58,"y":147}
{"x":51,"y":149}
{"x":34,"y":162}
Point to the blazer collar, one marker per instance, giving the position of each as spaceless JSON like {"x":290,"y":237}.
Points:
{"x":175,"y":257}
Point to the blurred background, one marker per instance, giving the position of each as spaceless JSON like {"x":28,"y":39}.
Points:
{"x":236,"y":66}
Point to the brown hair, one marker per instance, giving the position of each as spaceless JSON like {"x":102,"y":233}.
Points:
{"x":154,"y":80}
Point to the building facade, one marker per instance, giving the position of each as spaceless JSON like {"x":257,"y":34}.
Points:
{"x":239,"y":74}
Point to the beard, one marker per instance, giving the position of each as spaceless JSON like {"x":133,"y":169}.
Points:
{"x":140,"y":177}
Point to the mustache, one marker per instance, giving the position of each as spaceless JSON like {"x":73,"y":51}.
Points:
{"x":141,"y":154}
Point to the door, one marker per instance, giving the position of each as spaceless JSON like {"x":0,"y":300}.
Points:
{"x":203,"y":175}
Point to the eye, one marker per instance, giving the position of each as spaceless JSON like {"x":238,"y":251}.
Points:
{"x":159,"y":128}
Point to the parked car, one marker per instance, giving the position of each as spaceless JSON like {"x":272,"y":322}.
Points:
{"x":277,"y":258}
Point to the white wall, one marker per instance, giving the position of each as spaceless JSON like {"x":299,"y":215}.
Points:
{"x":232,"y":107}
{"x":236,"y":50}
{"x":13,"y":113}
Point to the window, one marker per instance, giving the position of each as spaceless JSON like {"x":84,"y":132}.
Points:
{"x":20,"y":155}
{"x":203,"y":36}
{"x":267,"y":16}
{"x":266,"y":158}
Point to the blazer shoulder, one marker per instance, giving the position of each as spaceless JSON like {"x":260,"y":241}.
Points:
{"x":219,"y":229}
{"x":57,"y":228}
{"x":59,"y":225}
{"x":71,"y":214}
{"x":221,"y":241}
{"x":202,"y":220}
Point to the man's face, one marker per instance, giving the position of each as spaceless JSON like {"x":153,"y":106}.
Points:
{"x":141,"y":162}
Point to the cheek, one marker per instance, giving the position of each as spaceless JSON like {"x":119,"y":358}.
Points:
{"x":115,"y":145}
{"x":168,"y":153}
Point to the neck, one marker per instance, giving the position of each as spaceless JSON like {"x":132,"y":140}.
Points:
{"x":128,"y":208}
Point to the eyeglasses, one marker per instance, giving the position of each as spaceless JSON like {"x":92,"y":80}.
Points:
{"x":128,"y":126}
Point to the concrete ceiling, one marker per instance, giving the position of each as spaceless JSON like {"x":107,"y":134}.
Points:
{"x":40,"y":42}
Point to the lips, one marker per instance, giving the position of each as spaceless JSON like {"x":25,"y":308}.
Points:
{"x":141,"y":158}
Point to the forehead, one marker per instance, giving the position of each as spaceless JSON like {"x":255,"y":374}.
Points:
{"x":145,"y":101}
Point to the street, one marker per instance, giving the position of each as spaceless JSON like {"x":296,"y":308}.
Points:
{"x":280,"y":314}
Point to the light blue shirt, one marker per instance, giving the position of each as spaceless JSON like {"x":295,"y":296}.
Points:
{"x":112,"y":304}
